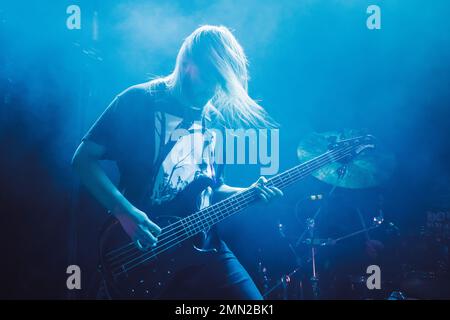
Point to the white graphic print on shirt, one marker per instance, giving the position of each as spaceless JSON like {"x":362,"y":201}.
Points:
{"x":191,"y":156}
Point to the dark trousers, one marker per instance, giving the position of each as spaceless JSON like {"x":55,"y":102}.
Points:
{"x":223,"y":277}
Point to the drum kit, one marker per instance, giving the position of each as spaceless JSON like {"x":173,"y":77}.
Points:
{"x":312,"y":276}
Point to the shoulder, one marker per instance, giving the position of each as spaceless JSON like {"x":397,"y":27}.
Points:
{"x":146,"y":90}
{"x":141,"y":97}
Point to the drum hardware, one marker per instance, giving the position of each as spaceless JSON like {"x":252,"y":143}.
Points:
{"x":367,"y":170}
{"x":314,"y":244}
{"x":283,"y":282}
{"x":311,"y":221}
{"x":264,"y":278}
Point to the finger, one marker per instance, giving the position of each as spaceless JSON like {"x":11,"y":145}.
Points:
{"x":269,"y":191}
{"x":148,"y":237}
{"x":277,"y":191}
{"x":139,"y":245}
{"x":144,"y":239}
{"x":261,"y":192}
{"x":142,"y":245}
{"x":153,"y":227}
{"x":140,"y":241}
{"x":263,"y":196}
{"x":261,"y":180}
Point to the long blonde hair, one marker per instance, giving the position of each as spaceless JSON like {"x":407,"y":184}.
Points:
{"x":231,"y":106}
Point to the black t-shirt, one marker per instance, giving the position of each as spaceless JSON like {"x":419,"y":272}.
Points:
{"x":136,"y":130}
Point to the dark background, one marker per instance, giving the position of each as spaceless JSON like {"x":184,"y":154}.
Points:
{"x":315,"y":67}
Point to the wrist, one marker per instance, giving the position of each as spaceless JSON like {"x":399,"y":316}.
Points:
{"x":121,"y":209}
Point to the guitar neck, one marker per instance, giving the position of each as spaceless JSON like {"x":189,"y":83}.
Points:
{"x":208,"y":217}
{"x":204,"y":219}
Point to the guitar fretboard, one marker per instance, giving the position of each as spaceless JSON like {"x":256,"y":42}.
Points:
{"x":204,"y":219}
{"x":208,"y":217}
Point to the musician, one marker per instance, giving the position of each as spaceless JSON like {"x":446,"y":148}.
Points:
{"x":207,"y":89}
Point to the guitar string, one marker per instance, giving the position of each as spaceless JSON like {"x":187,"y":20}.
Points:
{"x":188,"y":224}
{"x":188,"y":220}
{"x":155,"y":253}
{"x":224,"y":205}
{"x":144,"y":257}
{"x":196,"y":224}
{"x":194,"y":229}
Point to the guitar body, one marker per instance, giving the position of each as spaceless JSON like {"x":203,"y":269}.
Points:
{"x":152,"y":278}
{"x":134,"y":274}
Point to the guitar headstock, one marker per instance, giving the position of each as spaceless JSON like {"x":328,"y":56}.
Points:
{"x":354,"y":145}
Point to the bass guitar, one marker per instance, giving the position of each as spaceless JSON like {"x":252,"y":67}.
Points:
{"x":131,"y":273}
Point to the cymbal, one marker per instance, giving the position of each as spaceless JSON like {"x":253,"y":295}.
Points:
{"x":368,"y":169}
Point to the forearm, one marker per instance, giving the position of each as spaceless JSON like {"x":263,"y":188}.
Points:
{"x":101,"y":187}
